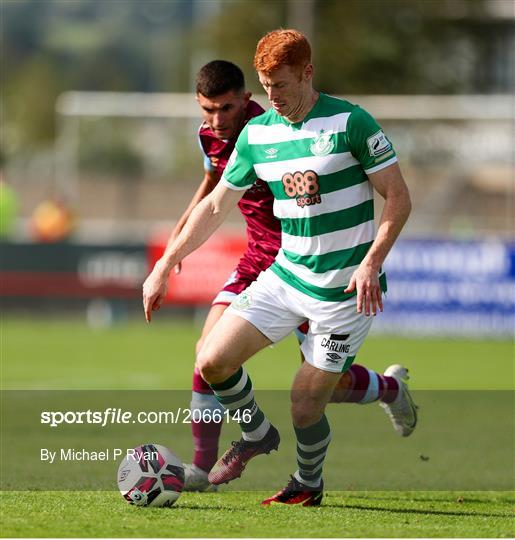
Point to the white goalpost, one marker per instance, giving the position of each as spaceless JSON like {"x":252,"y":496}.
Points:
{"x":464,"y":138}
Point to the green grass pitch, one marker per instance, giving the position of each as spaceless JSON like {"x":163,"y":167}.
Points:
{"x":67,"y":355}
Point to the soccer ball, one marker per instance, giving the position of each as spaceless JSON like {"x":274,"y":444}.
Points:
{"x":151,"y":475}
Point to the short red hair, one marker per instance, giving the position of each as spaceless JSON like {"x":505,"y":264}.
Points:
{"x":282,"y":47}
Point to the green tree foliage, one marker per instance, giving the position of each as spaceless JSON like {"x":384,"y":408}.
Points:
{"x":397,"y":46}
{"x":360,"y":46}
{"x":234,"y":31}
{"x":365,"y":46}
{"x":50,"y":46}
{"x":30,"y":95}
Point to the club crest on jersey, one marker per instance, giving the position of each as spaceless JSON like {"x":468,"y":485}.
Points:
{"x":242,"y":301}
{"x":322,"y":144}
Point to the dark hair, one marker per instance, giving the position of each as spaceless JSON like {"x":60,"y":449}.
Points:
{"x":218,"y":77}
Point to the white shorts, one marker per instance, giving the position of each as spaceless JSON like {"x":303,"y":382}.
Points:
{"x":336,"y":329}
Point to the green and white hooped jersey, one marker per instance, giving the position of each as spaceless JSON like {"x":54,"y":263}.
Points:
{"x":317,"y":171}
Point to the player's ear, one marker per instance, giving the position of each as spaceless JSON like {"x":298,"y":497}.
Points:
{"x":247,"y":96}
{"x":308,"y":72}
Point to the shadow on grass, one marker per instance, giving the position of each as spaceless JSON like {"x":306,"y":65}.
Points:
{"x":416,"y":511}
{"x":218,"y":508}
{"x":435,"y":501}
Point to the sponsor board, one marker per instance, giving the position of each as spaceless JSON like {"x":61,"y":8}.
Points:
{"x":435,"y":287}
{"x":205,"y":271}
{"x":450,"y":288}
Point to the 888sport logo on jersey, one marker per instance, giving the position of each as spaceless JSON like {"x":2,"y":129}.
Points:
{"x":303,"y":186}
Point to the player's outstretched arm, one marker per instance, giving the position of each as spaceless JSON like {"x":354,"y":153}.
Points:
{"x":205,"y":188}
{"x":390,"y":184}
{"x":204,"y":219}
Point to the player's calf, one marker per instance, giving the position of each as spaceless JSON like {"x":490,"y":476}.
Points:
{"x":362,"y":385}
{"x":258,"y":437}
{"x":206,"y":426}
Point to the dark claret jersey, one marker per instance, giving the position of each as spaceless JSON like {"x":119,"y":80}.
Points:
{"x":256,"y":205}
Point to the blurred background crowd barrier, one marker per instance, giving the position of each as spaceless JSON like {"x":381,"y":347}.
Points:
{"x":99,"y":154}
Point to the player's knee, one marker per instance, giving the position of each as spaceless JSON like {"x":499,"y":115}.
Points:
{"x":306,"y":413}
{"x":211,"y":366}
{"x":206,"y":364}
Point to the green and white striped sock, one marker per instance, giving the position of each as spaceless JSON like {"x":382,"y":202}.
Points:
{"x":312,"y":443}
{"x":237,"y":396}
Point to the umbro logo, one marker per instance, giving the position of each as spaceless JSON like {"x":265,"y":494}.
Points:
{"x":271,"y":153}
{"x":333,"y":357}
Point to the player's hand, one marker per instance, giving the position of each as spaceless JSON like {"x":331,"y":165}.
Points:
{"x":365,"y":281}
{"x":154,"y":290}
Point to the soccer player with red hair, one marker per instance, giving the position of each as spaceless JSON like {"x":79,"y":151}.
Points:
{"x":322,"y":158}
